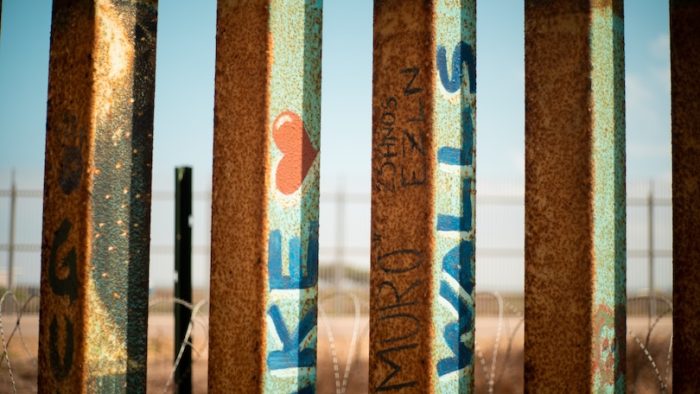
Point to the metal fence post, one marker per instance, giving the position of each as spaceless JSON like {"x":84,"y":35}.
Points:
{"x":264,"y":266}
{"x":685,"y":132}
{"x":422,"y":257}
{"x":575,"y":196}
{"x":650,"y":241}
{"x":183,"y":277}
{"x":97,"y":188}
{"x":339,"y":267}
{"x":11,"y":243}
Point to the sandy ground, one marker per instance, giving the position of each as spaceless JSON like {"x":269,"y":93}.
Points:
{"x":333,"y":355}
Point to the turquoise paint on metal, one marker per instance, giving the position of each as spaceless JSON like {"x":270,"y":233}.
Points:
{"x":575,"y":196}
{"x":609,"y":206}
{"x":422,"y":278}
{"x":294,"y":132}
{"x":454,"y":205}
{"x":265,"y":196}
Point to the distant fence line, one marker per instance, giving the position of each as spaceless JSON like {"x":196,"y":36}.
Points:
{"x":486,"y":305}
{"x":637,"y":252}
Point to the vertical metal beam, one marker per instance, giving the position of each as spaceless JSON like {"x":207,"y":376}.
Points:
{"x":97,"y":187}
{"x":339,"y":240}
{"x":685,"y":132}
{"x":650,"y":255}
{"x":183,"y":277}
{"x":422,"y":274}
{"x":11,"y":243}
{"x":265,"y":196}
{"x":575,"y":196}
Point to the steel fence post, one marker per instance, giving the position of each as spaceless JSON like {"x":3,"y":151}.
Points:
{"x":183,"y":278}
{"x":685,"y":135}
{"x":575,"y":220}
{"x":423,"y":194}
{"x":265,"y":196}
{"x":97,"y":186}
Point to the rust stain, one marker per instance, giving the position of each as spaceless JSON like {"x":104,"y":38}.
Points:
{"x":564,"y":253}
{"x":685,"y":135}
{"x":266,"y":185}
{"x":616,"y":5}
{"x":238,"y":259}
{"x":401,"y":332}
{"x":558,"y":180}
{"x":96,"y":218}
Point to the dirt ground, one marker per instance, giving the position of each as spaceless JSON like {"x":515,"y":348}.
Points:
{"x":508,"y":377}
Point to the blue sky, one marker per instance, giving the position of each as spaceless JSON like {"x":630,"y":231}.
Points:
{"x":185,"y":91}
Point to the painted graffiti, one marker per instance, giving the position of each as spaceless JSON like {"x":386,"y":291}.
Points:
{"x":460,"y":156}
{"x":299,"y":277}
{"x":298,"y":152}
{"x":454,"y":222}
{"x":61,"y":365}
{"x":294,"y":123}
{"x":462,"y":53}
{"x":68,"y":284}
{"x":457,"y":299}
{"x":63,"y":257}
{"x":401,"y":147}
{"x":63,"y":279}
{"x":291,"y":355}
{"x":71,"y":163}
{"x":296,"y":278}
{"x":400,"y":157}
{"x":292,"y":258}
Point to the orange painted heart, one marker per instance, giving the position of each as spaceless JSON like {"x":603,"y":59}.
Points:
{"x":298,"y":153}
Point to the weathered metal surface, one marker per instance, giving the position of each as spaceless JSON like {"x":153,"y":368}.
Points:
{"x":422,"y":276}
{"x":97,"y":185}
{"x":685,"y":111}
{"x":575,"y":196}
{"x":265,"y":197}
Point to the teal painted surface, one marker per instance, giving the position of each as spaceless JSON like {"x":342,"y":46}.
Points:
{"x":293,"y":191}
{"x":609,"y":217}
{"x":117,"y":292}
{"x":454,"y":116}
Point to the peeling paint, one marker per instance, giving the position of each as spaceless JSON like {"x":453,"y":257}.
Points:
{"x":609,"y":213}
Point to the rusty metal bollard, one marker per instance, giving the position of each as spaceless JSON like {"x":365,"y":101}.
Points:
{"x":97,"y":186}
{"x":575,"y":220}
{"x":422,"y":274}
{"x":265,"y":196}
{"x":685,"y":111}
